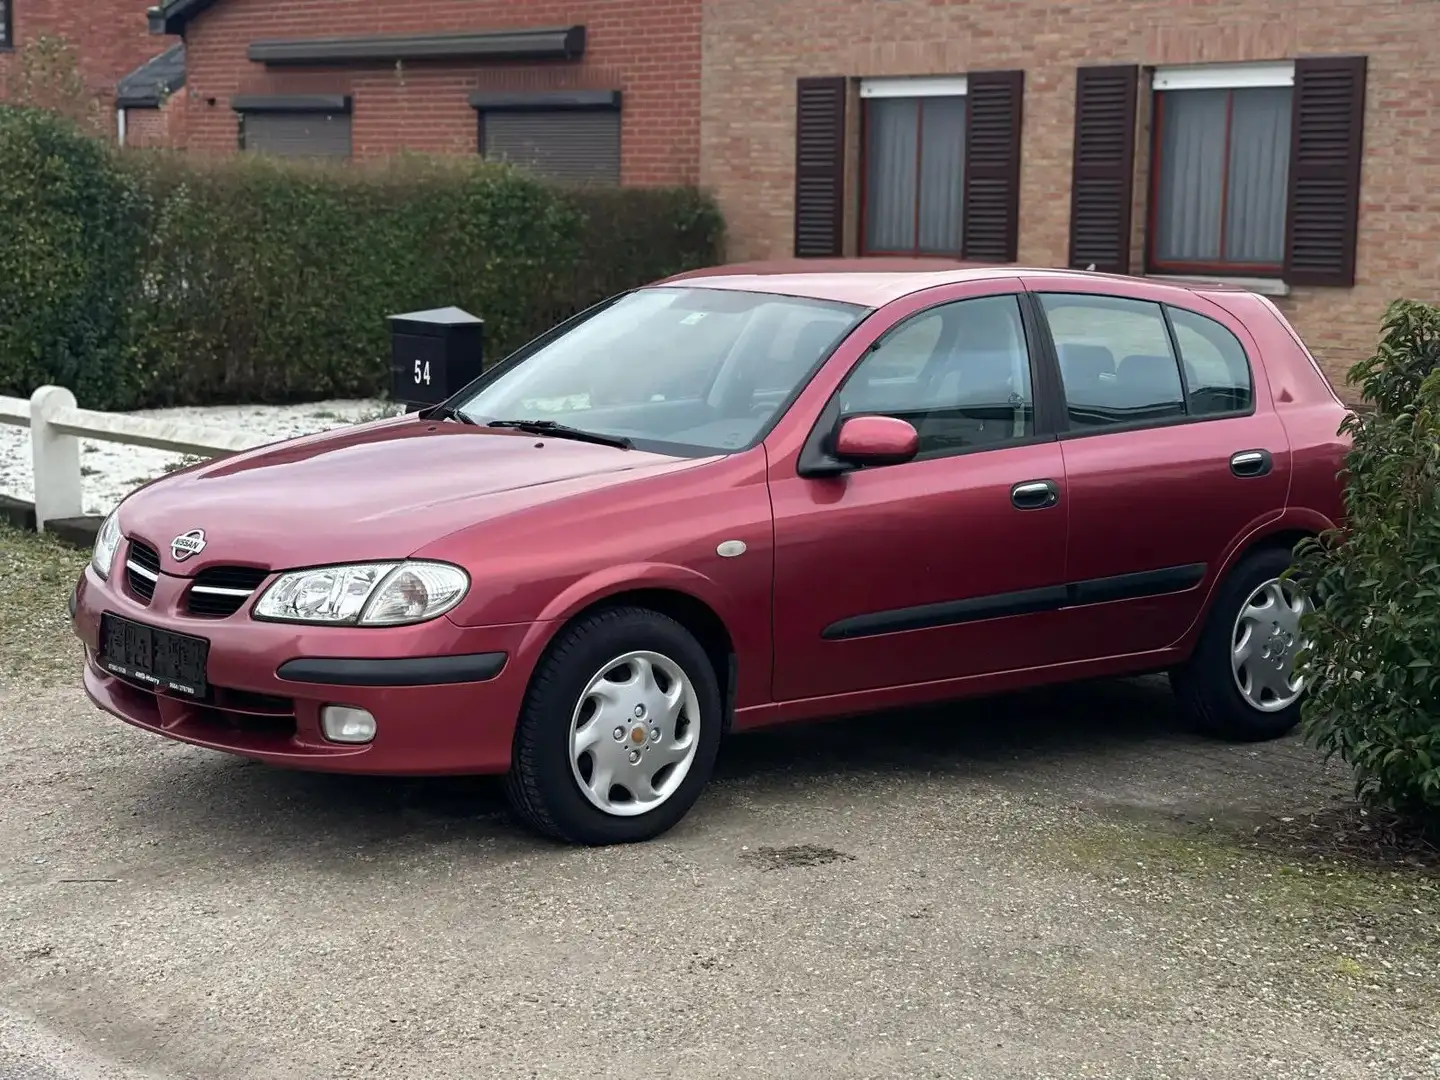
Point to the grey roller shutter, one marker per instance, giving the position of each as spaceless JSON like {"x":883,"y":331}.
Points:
{"x":573,"y":146}
{"x":297,"y":134}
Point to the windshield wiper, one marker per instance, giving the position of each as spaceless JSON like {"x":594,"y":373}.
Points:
{"x":563,"y":431}
{"x":444,"y":412}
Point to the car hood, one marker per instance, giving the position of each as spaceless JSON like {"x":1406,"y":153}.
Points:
{"x":377,"y":491}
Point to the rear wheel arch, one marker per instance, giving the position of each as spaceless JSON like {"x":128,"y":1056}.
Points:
{"x":1281,"y":535}
{"x":1284,"y":539}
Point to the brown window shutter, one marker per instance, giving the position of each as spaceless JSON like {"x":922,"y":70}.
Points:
{"x":819,"y":167}
{"x":1103,"y":172}
{"x":1326,"y":141}
{"x":992,"y":165}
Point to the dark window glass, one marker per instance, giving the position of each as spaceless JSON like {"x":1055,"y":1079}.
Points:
{"x":959,"y":372}
{"x":1217,"y":374}
{"x":1116,"y":363}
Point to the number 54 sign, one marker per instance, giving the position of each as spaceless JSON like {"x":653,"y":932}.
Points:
{"x":433,"y":354}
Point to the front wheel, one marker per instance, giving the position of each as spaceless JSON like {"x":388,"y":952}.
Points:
{"x":619,"y":730}
{"x":1240,"y":683}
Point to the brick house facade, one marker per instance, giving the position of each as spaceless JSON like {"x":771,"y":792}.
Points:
{"x":1288,"y":146}
{"x":602,"y":90}
{"x":108,"y":39}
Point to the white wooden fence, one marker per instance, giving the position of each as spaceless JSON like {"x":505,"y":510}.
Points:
{"x":57,"y":424}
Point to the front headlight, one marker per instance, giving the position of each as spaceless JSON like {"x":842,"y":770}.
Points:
{"x":366,"y":594}
{"x":107,"y":542}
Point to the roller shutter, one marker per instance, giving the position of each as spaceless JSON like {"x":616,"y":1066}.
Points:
{"x":297,"y":134}
{"x":574,"y":146}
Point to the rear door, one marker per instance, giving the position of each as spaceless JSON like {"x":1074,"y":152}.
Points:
{"x":1172,"y":453}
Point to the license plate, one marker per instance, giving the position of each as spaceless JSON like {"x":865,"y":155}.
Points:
{"x":173,"y":662}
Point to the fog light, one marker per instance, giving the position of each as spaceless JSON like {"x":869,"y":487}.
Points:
{"x":343,"y":723}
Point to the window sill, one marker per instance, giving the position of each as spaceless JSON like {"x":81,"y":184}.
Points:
{"x":1262,"y":285}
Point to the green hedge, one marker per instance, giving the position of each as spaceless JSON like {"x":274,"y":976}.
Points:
{"x":143,"y":278}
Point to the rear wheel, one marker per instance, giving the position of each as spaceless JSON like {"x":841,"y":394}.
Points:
{"x":1240,"y":682}
{"x":619,"y":730}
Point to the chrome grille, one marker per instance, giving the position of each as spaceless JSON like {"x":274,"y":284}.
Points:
{"x":142,"y":570}
{"x":219,"y":591}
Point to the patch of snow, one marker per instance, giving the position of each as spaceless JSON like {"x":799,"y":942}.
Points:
{"x":110,"y":471}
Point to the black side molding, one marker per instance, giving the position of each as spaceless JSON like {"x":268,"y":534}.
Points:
{"x":1106,"y":590}
{"x":1171,"y":579}
{"x":401,"y":671}
{"x":947,"y":613}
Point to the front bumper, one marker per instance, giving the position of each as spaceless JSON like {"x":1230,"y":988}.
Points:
{"x":445,"y":698}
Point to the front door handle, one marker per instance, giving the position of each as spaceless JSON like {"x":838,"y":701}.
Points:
{"x":1035,"y":495}
{"x":1248,"y":463}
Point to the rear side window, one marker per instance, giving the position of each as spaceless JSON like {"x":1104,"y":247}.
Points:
{"x":1116,"y":362}
{"x":1120,"y":364}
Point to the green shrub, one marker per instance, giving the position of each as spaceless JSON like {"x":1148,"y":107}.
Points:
{"x":1374,"y":640}
{"x":144,"y":278}
{"x":71,"y":234}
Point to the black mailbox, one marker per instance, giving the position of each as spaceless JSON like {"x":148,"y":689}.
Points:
{"x":433,"y":354}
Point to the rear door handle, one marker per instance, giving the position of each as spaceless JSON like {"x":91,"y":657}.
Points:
{"x":1035,"y":495}
{"x":1248,"y":463}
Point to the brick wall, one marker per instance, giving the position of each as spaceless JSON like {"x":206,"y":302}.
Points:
{"x":110,"y":38}
{"x":755,"y":49}
{"x":648,"y":49}
{"x":164,"y":126}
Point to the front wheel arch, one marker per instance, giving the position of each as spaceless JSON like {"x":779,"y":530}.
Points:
{"x":542,"y":784}
{"x":699,"y":618}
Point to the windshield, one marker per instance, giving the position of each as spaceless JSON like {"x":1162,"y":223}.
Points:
{"x":691,"y":369}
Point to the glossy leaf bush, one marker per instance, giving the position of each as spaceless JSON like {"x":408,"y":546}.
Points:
{"x":150,"y":278}
{"x":1374,"y":637}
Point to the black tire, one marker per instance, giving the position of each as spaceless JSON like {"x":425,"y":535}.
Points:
{"x":1209,"y":700}
{"x":541,"y":786}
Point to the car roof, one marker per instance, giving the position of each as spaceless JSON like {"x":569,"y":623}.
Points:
{"x":873,"y":282}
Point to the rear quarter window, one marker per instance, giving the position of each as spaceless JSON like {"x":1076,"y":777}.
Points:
{"x":1217,"y":372}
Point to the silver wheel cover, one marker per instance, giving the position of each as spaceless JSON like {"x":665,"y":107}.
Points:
{"x":1264,"y":644}
{"x":634,"y":733}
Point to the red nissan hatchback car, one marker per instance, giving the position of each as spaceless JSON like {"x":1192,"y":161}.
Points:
{"x":737,"y":498}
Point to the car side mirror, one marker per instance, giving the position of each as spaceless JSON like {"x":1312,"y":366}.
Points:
{"x":876,"y":440}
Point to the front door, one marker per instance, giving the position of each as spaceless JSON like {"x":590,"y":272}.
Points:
{"x":948,"y":565}
{"x":1172,"y":454}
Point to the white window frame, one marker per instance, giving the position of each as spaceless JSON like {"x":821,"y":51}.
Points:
{"x":913,"y":86}
{"x":1223,"y":76}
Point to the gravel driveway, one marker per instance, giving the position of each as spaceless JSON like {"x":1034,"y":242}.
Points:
{"x":1056,"y":885}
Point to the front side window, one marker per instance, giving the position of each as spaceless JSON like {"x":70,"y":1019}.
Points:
{"x":959,"y":372}
{"x":673,"y":368}
{"x":1222,"y":174}
{"x":914,"y":175}
{"x":1119,"y":363}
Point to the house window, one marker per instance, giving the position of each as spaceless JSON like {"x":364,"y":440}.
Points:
{"x":914,"y":166}
{"x":939,"y":166}
{"x":1221,"y":168}
{"x":7,"y":30}
{"x":570,"y":137}
{"x":303,"y":125}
